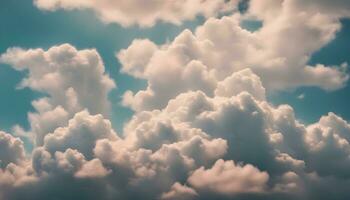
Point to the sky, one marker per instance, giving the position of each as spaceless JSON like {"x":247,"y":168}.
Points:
{"x":166,"y":100}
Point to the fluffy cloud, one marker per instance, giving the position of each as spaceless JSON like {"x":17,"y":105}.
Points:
{"x":202,"y":129}
{"x":69,"y":162}
{"x":221,"y":47}
{"x":179,"y":192}
{"x":81,"y":133}
{"x":267,"y":8}
{"x":228,"y":179}
{"x":143,"y":13}
{"x":136,"y":57}
{"x":177,"y":153}
{"x":11,"y":150}
{"x":329,"y":139}
{"x":244,"y":80}
{"x":72,"y":80}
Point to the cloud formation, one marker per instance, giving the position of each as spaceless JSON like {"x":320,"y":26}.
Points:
{"x":142,"y":13}
{"x":11,"y":150}
{"x":71,"y":80}
{"x":195,"y":148}
{"x":202,"y":129}
{"x":209,"y":56}
{"x":228,"y":179}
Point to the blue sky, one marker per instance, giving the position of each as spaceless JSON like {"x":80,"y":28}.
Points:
{"x":32,"y":28}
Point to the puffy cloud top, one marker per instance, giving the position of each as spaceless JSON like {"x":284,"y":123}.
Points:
{"x":11,"y":150}
{"x":228,"y":179}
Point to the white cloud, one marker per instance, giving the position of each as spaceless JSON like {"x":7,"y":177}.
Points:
{"x":179,"y":192}
{"x":244,"y":80}
{"x":327,"y":141}
{"x":136,"y":57}
{"x":190,"y":136}
{"x":73,"y":80}
{"x":82,"y":132}
{"x":66,"y":74}
{"x":269,"y":8}
{"x":143,"y":13}
{"x":11,"y":150}
{"x":225,"y":177}
{"x":221,"y":47}
{"x":202,"y":128}
{"x":166,"y":83}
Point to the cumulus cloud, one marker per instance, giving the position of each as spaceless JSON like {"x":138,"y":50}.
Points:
{"x":143,"y":13}
{"x":82,"y":132}
{"x":326,"y":140}
{"x":228,"y":179}
{"x":11,"y":150}
{"x":244,"y":80}
{"x":178,"y":153}
{"x":202,"y":129}
{"x":221,"y":47}
{"x":71,"y":80}
{"x":180,"y":192}
{"x":70,"y":162}
{"x":136,"y":57}
{"x":67,"y":75}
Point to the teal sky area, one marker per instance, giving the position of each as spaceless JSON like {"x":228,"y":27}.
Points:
{"x":23,"y":25}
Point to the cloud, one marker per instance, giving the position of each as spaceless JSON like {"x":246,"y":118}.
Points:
{"x":202,"y":129}
{"x":221,"y":47}
{"x":329,"y":139}
{"x":82,"y":132}
{"x":66,"y":74}
{"x":144,"y":14}
{"x":180,"y":152}
{"x":337,"y":8}
{"x":254,"y":134}
{"x":11,"y":150}
{"x":70,"y":162}
{"x":92,"y":166}
{"x":244,"y":80}
{"x":71,"y":80}
{"x":301,"y":96}
{"x":228,"y":179}
{"x":136,"y":57}
{"x":180,"y":192}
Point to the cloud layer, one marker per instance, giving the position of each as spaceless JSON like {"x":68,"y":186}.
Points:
{"x":197,"y":147}
{"x":143,"y":13}
{"x":202,"y":129}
